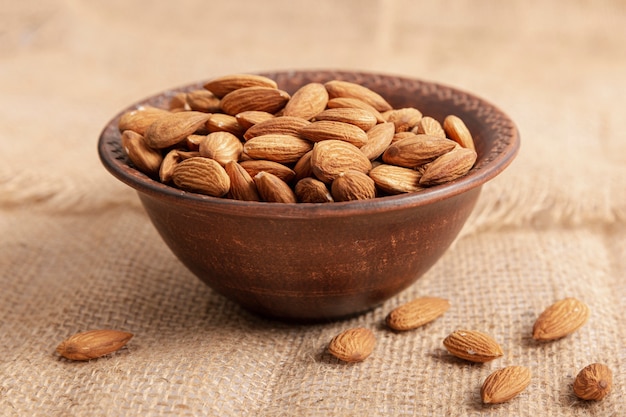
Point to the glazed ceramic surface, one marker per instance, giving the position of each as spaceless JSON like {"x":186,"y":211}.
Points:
{"x":312,"y":262}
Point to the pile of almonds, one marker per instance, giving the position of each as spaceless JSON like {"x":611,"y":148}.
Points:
{"x":557,"y":321}
{"x":244,"y":138}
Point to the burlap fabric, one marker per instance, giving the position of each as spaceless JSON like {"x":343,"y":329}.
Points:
{"x":77,"y":251}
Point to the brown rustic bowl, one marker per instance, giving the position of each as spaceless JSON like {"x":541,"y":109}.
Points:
{"x":312,"y":262}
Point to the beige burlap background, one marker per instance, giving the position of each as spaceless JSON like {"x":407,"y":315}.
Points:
{"x":77,"y":251}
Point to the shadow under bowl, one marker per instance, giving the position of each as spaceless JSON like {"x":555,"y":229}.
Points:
{"x":317,"y":262}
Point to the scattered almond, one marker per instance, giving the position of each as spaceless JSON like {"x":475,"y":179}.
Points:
{"x":93,"y":344}
{"x":593,"y":382}
{"x":416,"y":313}
{"x":560,"y":319}
{"x":472,"y":346}
{"x":505,"y":384}
{"x":353,"y":345}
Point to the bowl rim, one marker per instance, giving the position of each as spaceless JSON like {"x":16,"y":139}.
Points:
{"x":117,"y":164}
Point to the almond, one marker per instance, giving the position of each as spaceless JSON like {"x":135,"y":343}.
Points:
{"x":221,"y":86}
{"x":331,"y":130}
{"x":219,"y":122}
{"x":593,"y":382}
{"x":203,"y":100}
{"x":311,"y":190}
{"x":173,"y":128}
{"x":396,"y":180}
{"x":338,"y":88}
{"x":278,"y":148}
{"x":247,"y":119}
{"x":221,"y":146}
{"x":307,"y":101}
{"x":379,"y":138}
{"x":448,"y":167}
{"x":146,"y":159}
{"x":178,"y":102}
{"x":358,"y":117}
{"x":242,"y":186}
{"x":353,"y":345}
{"x":403,"y":119}
{"x":349,"y":102}
{"x":472,"y":346}
{"x":560,"y":319}
{"x":254,"y":166}
{"x":398,"y":136}
{"x":284,"y":125}
{"x":416,"y":150}
{"x":504,"y":384}
{"x":201,"y":175}
{"x":140,"y":119}
{"x":265,"y":99}
{"x":272,"y":189}
{"x":416,"y":313}
{"x":353,"y":185}
{"x":429,"y":126}
{"x":93,"y":344}
{"x":332,"y":157}
{"x":456,"y":130}
{"x":303,"y":168}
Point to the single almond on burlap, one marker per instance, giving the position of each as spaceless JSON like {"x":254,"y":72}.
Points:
{"x":349,"y":102}
{"x":221,"y":86}
{"x":429,"y":126}
{"x":332,"y":157}
{"x":173,"y":128}
{"x":266,"y":99}
{"x":242,"y":186}
{"x":358,"y":117}
{"x":393,"y":179}
{"x":221,"y":146}
{"x":457,"y":131}
{"x":353,"y":185}
{"x":560,"y":319}
{"x":203,"y":100}
{"x":220,"y":122}
{"x":331,"y":130}
{"x":472,"y":346}
{"x":93,"y":344}
{"x":201,"y":175}
{"x":146,"y":159}
{"x":593,"y":382}
{"x":278,"y":148}
{"x":417,"y":150}
{"x":272,"y":189}
{"x":505,"y":384}
{"x":416,"y":313}
{"x":448,"y":167}
{"x":379,"y":138}
{"x":247,"y":119}
{"x":254,"y":166}
{"x":353,"y":345}
{"x":403,"y":119}
{"x":303,"y":168}
{"x":311,"y":190}
{"x":283,"y":125}
{"x":339,"y":88}
{"x":140,"y":119}
{"x":307,"y":101}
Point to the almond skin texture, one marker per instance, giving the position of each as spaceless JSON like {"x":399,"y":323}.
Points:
{"x":593,"y":382}
{"x":93,"y":344}
{"x":307,"y":101}
{"x":358,"y":117}
{"x":140,"y":119}
{"x":340,"y":102}
{"x":254,"y":166}
{"x":472,"y":346}
{"x":265,"y":99}
{"x":396,"y":180}
{"x":448,"y":167}
{"x":311,"y":190}
{"x":353,"y":185}
{"x":272,"y":189}
{"x":353,"y":345}
{"x":223,"y":85}
{"x":338,"y":88}
{"x":173,"y":128}
{"x":504,"y":384}
{"x":242,"y":186}
{"x":201,"y":175}
{"x":146,"y":159}
{"x":416,"y":313}
{"x":219,"y":122}
{"x":332,"y":157}
{"x":221,"y":146}
{"x":429,"y":126}
{"x":457,"y":131}
{"x":203,"y":100}
{"x":333,"y":130}
{"x":278,"y":148}
{"x":284,"y":125}
{"x":417,"y":150}
{"x":560,"y":319}
{"x":379,"y":138}
{"x":247,"y":119}
{"x":404,"y":119}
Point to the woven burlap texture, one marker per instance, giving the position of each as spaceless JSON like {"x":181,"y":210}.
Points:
{"x":77,"y":251}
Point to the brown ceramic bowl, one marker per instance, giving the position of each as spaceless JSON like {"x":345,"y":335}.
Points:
{"x":312,"y":262}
